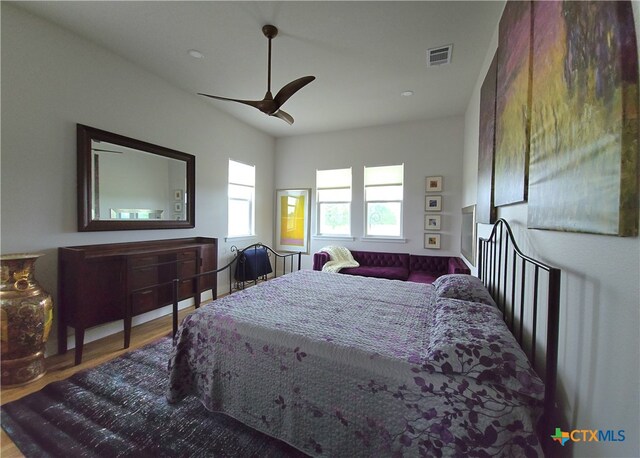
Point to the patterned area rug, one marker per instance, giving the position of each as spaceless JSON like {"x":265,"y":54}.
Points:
{"x":119,"y":409}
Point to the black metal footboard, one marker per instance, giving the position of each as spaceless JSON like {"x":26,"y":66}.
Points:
{"x":249,"y":266}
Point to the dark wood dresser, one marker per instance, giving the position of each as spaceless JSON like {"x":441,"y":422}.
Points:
{"x":98,"y":284}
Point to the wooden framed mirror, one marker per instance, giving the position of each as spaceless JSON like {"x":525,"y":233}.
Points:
{"x":128,"y":184}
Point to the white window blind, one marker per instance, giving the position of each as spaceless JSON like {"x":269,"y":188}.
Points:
{"x":333,"y":202}
{"x":383,"y":194}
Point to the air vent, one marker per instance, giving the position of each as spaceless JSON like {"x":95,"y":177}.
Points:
{"x":439,"y":56}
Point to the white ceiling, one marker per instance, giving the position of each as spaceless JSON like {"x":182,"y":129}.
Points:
{"x":363,"y":53}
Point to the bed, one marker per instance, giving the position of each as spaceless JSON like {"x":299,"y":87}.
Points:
{"x":352,"y":366}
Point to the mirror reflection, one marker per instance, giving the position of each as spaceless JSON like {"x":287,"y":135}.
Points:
{"x":129,"y":184}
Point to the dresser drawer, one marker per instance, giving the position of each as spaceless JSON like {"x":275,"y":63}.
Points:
{"x":144,"y":276}
{"x":186,"y":288}
{"x":187,"y":268}
{"x":144,"y":301}
{"x":186,"y":254}
{"x":140,"y":261}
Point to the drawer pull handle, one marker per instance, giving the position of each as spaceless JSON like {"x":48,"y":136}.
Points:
{"x":149,"y":291}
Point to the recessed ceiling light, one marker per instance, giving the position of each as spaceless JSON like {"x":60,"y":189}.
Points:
{"x":195,"y":54}
{"x":406,"y":93}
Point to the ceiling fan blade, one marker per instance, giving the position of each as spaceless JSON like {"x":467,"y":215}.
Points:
{"x":252,"y":103}
{"x":284,"y":116}
{"x":288,"y":90}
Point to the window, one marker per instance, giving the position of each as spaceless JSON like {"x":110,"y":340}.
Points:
{"x":383,"y":191}
{"x":242,"y":182}
{"x":334,"y":201}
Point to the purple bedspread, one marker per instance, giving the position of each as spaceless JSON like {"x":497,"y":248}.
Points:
{"x":338,"y":365}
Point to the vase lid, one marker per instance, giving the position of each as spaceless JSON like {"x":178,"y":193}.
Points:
{"x":14,"y":256}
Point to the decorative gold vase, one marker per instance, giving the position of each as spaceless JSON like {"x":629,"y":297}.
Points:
{"x":26,"y":311}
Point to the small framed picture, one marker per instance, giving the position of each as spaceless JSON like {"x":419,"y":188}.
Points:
{"x":177,"y":207}
{"x":431,"y":222}
{"x":433,"y":184}
{"x":177,"y":195}
{"x":432,"y":241}
{"x":433,"y":203}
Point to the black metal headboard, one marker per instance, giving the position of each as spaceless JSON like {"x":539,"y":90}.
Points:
{"x":527,"y":292}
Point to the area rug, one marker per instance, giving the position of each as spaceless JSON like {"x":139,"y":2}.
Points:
{"x":118,"y":409}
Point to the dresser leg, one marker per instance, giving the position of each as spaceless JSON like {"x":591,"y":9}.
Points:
{"x":79,"y":345}
{"x":62,"y":338}
{"x":127,"y":331}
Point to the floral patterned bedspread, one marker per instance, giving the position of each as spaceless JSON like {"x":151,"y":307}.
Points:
{"x":346,"y":366}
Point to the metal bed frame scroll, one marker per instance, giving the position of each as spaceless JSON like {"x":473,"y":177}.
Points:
{"x":240,"y":259}
{"x":509,"y":274}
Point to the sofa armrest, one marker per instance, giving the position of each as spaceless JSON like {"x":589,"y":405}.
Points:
{"x":457,"y":266}
{"x":320,"y":259}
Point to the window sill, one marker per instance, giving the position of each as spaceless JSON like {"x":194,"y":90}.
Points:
{"x":239,"y":238}
{"x":345,"y":238}
{"x":383,"y":239}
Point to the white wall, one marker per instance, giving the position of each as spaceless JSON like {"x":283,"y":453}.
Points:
{"x":599,"y":376}
{"x":51,"y":80}
{"x":426,"y":148}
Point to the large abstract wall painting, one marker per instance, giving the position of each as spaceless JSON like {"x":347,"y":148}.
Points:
{"x":486,"y":211}
{"x":513,"y":104}
{"x":584,"y":126}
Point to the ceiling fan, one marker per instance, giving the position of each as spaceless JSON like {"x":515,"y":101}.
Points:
{"x":270,"y":105}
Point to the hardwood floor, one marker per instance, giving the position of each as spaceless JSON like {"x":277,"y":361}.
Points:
{"x":60,"y":367}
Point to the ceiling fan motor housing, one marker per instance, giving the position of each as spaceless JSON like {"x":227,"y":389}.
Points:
{"x":267,"y":105}
{"x":270,"y":31}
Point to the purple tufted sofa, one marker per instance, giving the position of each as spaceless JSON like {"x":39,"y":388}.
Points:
{"x":398,"y":266}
